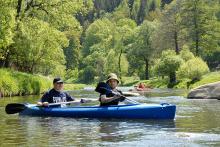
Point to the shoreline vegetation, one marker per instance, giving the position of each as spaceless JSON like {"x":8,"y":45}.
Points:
{"x":14,"y":83}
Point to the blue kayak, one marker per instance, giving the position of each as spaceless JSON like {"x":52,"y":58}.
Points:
{"x":131,"y":111}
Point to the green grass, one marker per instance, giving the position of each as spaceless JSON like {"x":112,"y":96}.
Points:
{"x":182,"y":83}
{"x":74,"y":86}
{"x":130,"y":81}
{"x":208,"y":78}
{"x":17,"y":83}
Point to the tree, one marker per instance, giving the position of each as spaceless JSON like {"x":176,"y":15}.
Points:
{"x":36,"y":45}
{"x":142,"y":48}
{"x":191,"y":70}
{"x":170,"y":32}
{"x":125,"y":29}
{"x":99,"y":43}
{"x":168,"y":64}
{"x":7,"y":25}
{"x":199,"y":19}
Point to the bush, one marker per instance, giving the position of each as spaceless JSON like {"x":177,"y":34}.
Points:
{"x":87,"y":75}
{"x":193,"y":69}
{"x":71,"y":76}
{"x":17,"y":83}
{"x":186,"y":55}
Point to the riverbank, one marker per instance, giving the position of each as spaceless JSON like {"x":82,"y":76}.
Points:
{"x":14,"y":83}
{"x":183,"y":83}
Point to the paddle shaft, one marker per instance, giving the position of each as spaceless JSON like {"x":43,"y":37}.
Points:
{"x":13,"y":108}
{"x":111,"y":91}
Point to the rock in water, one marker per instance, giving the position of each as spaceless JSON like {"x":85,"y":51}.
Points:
{"x":207,"y":91}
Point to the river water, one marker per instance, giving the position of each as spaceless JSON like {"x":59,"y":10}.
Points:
{"x":197,"y":123}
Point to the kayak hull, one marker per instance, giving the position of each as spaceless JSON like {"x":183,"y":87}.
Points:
{"x":134,"y":111}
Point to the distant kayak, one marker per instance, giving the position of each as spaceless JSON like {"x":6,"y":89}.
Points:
{"x":140,"y":90}
{"x":131,"y":111}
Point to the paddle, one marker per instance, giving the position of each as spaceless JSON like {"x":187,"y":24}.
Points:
{"x":18,"y":107}
{"x":104,"y":88}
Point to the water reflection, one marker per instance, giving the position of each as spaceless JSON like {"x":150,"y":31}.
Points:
{"x":196,"y":124}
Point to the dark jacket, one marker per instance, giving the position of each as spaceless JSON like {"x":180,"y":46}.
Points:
{"x":114,"y":102}
{"x":53,"y":96}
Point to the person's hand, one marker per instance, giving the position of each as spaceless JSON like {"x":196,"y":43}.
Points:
{"x":39,"y":103}
{"x":122,"y":98}
{"x":116,"y":96}
{"x":82,"y":100}
{"x":45,"y":104}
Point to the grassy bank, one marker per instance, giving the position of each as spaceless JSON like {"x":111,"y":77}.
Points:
{"x":13,"y":83}
{"x":74,"y":86}
{"x":17,"y":83}
{"x":163,"y":82}
{"x":208,"y":78}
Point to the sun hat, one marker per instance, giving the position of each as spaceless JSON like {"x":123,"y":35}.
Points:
{"x":112,"y":76}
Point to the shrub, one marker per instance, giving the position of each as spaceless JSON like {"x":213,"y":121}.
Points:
{"x":193,"y":69}
{"x":186,"y":55}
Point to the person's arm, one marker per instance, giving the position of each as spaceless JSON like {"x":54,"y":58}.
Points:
{"x":44,"y":100}
{"x":105,"y":99}
{"x":69,"y":98}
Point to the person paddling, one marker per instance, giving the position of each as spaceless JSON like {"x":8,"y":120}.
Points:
{"x":56,"y":94}
{"x":110,"y":99}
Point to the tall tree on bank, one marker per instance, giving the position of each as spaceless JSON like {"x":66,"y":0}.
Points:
{"x":142,"y":49}
{"x":56,"y":17}
{"x":170,"y":32}
{"x":7,"y":25}
{"x":199,"y":19}
{"x":125,"y":29}
{"x":168,"y":64}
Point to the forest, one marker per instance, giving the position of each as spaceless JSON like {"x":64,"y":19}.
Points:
{"x":85,"y":40}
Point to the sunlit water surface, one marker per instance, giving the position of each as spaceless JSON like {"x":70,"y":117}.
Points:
{"x":197,"y":123}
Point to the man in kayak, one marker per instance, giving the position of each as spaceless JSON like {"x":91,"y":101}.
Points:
{"x":56,"y":94}
{"x":111,"y":99}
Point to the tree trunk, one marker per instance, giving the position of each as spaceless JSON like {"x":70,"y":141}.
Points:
{"x":147,"y":69}
{"x":19,"y":8}
{"x":130,"y":5}
{"x":176,"y":43}
{"x":141,"y":13}
{"x":172,"y":77}
{"x":195,"y":22}
{"x":119,"y":65}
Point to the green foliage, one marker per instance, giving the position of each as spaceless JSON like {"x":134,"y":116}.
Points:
{"x":71,"y":76}
{"x":185,"y":54}
{"x":193,"y":69}
{"x":86,"y":40}
{"x":200,"y":21}
{"x":157,"y":82}
{"x":74,"y":86}
{"x":170,"y":33}
{"x":141,"y":50}
{"x":206,"y":79}
{"x":37,"y":44}
{"x":168,"y":63}
{"x":87,"y":75}
{"x":7,"y":24}
{"x":17,"y":83}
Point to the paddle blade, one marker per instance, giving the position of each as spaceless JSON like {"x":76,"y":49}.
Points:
{"x":14,"y":108}
{"x":103,"y":88}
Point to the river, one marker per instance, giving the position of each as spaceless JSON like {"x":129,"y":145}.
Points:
{"x":197,"y":123}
